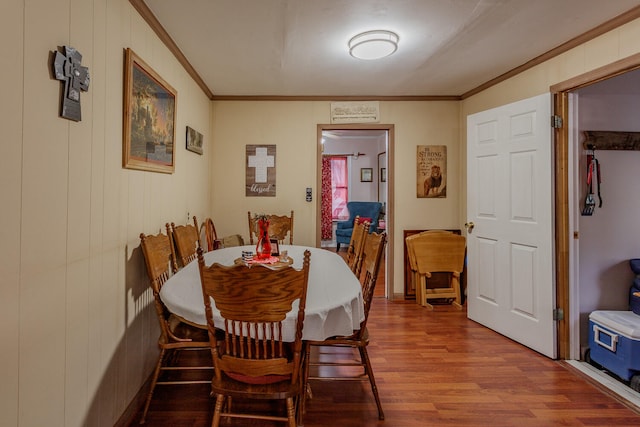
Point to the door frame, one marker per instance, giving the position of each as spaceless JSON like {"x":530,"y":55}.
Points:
{"x":389,"y":216}
{"x":564,"y":247}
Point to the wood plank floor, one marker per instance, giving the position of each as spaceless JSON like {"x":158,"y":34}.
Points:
{"x":433,"y":368}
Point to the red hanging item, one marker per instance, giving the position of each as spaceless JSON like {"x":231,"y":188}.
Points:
{"x":593,"y":174}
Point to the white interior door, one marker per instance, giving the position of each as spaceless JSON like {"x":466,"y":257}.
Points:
{"x":510,"y":285}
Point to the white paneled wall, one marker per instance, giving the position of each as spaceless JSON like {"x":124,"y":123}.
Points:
{"x":73,"y":295}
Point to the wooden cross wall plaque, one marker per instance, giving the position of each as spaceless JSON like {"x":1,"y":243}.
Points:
{"x":260,"y":171}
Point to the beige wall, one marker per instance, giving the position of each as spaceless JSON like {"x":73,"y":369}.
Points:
{"x":78,"y":334}
{"x":610,"y":47}
{"x":617,"y":44}
{"x":291,"y":125}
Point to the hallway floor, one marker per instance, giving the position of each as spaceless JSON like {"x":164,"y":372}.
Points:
{"x":433,"y":368}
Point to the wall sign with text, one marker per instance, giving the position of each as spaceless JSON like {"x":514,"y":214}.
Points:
{"x":431,"y":171}
{"x":260,"y":171}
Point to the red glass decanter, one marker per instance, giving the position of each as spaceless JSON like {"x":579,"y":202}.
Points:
{"x":263,"y":248}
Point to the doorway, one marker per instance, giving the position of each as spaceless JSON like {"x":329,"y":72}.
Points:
{"x":567,"y":201}
{"x":576,"y":288}
{"x":369,"y":152}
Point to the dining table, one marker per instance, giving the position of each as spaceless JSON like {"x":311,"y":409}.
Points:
{"x":334,"y":304}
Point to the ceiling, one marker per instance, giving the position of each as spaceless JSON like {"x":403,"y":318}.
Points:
{"x":298,"y":48}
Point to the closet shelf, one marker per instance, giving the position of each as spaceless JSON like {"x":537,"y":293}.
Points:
{"x":611,"y":140}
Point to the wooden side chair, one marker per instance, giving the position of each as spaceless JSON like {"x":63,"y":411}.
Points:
{"x":279,"y":227}
{"x":258,"y":358}
{"x":370,"y":210}
{"x":437,"y":252}
{"x":209,"y":236}
{"x":371,"y":260}
{"x":186,"y":240}
{"x":415,"y":277}
{"x":174,"y":334}
{"x":210,"y":241}
{"x":356,"y":245}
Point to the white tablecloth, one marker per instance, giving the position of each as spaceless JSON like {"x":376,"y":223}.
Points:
{"x":334,"y":296}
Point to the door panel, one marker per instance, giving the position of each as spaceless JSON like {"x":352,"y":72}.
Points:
{"x":510,"y":252}
{"x":486,"y":250}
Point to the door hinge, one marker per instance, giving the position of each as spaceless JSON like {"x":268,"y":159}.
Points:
{"x":558,"y":314}
{"x":556,"y":122}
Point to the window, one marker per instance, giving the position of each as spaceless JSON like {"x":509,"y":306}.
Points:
{"x":339,"y":188}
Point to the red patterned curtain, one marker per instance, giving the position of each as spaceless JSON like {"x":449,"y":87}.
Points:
{"x":339,"y":188}
{"x":326,"y":201}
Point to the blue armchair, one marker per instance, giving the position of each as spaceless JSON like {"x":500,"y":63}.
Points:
{"x":363,"y":210}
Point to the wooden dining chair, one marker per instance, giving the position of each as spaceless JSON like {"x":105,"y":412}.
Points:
{"x":175,"y":335}
{"x":210,"y":241}
{"x":279,"y":227}
{"x":186,"y":240}
{"x":433,"y":252}
{"x":371,"y":260}
{"x":209,"y":236}
{"x":356,"y":245}
{"x":258,"y":358}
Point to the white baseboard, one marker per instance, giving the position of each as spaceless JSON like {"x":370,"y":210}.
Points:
{"x":621,"y":390}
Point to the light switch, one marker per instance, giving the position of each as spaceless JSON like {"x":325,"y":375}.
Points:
{"x":308,"y":197}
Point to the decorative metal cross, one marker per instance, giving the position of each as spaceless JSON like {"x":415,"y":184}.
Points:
{"x":67,"y":68}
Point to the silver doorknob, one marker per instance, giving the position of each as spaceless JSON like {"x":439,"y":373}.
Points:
{"x":469,"y":226}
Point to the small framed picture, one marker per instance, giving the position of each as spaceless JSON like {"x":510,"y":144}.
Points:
{"x":366,"y":174}
{"x":194,"y":140}
{"x":383,"y":174}
{"x":275,"y":248}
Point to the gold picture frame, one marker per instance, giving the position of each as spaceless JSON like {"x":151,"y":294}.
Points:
{"x":149,"y":117}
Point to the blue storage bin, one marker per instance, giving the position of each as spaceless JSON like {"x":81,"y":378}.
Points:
{"x":634,"y":300}
{"x":614,"y":341}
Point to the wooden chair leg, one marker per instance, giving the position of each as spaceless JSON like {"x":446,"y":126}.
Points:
{"x":369,"y":371}
{"x":455,"y":283}
{"x":418,"y":287}
{"x":305,"y":389}
{"x":152,"y":388}
{"x":423,"y":293}
{"x":291,"y":412}
{"x":217,"y":410}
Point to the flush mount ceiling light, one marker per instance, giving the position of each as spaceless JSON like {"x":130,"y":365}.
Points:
{"x":374,"y":44}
